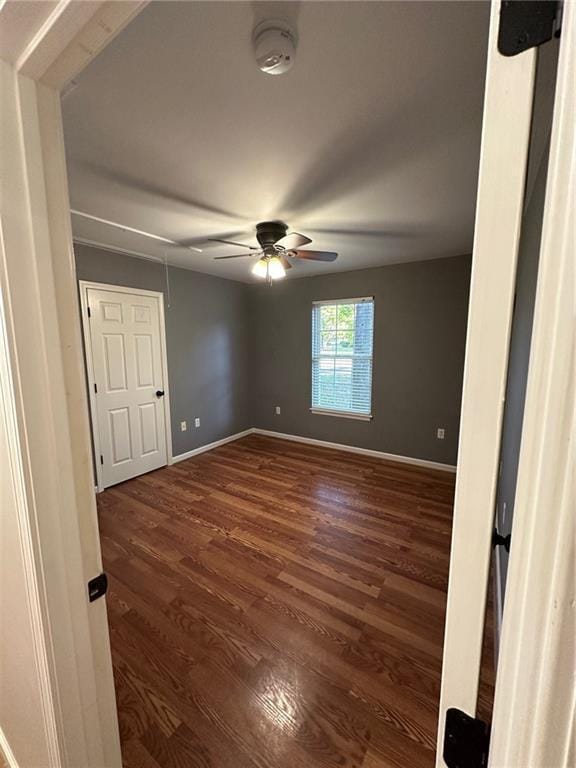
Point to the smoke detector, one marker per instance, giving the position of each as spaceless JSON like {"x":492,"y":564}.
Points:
{"x":274,"y":46}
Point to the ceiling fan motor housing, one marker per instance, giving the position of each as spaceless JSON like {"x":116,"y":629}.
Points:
{"x":268,"y":232}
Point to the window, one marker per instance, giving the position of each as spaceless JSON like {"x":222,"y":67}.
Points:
{"x":342,"y":334}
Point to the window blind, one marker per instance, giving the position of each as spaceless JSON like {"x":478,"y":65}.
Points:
{"x":342,"y":337}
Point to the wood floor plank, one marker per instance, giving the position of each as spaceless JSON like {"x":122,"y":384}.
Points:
{"x":135,"y":755}
{"x":278,"y":605}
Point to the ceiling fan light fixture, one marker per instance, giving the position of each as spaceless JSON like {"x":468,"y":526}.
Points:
{"x":276,"y":268}
{"x":260,"y":269}
{"x":270,"y":268}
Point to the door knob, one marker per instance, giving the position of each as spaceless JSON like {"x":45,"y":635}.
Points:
{"x":159,"y":393}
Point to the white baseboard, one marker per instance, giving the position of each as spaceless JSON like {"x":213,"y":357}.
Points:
{"x":210,"y":446}
{"x":323,"y":443}
{"x":353,"y":449}
{"x":6,"y":752}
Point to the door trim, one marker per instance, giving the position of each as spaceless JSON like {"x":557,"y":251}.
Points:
{"x":535,"y":699}
{"x":43,"y":349}
{"x":85,"y":286}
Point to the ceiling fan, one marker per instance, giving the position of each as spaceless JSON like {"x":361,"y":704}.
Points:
{"x":276,"y":248}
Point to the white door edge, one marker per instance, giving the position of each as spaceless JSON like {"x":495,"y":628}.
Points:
{"x":85,"y":286}
{"x":535,"y":703}
{"x":501,"y":186}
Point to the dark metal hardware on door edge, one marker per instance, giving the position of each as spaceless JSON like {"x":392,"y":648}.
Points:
{"x":525,"y":24}
{"x":97,"y":587}
{"x":466,"y":740}
{"x":159,"y":393}
{"x":501,"y":541}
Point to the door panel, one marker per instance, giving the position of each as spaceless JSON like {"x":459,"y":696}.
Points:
{"x":115,"y":362}
{"x":120,"y":435}
{"x":111,"y":311}
{"x":127,"y":366}
{"x":144,"y":361}
{"x":148,"y":433}
{"x":141,"y":313}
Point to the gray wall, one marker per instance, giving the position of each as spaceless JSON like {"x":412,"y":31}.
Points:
{"x":235,"y":351}
{"x":419,"y":339}
{"x":207,"y":344}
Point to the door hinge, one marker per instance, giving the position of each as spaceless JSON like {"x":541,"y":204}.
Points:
{"x":95,"y":388}
{"x":525,"y":24}
{"x":466,"y":740}
{"x":97,"y":587}
{"x":101,"y":459}
{"x":501,"y":541}
{"x":89,"y":311}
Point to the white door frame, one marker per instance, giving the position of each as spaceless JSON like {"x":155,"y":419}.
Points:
{"x":501,"y":183}
{"x":48,"y":410}
{"x":85,"y":285}
{"x":532,"y":722}
{"x":535,"y":704}
{"x":44,"y":392}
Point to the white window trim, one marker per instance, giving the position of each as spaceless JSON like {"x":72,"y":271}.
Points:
{"x":358,"y":300}
{"x":335,"y":412}
{"x":342,"y":414}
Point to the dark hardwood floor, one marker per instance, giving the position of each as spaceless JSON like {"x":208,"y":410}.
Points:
{"x":277,"y":605}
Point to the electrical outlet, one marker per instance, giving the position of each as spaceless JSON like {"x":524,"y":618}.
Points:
{"x":277,"y":409}
{"x":440,"y":433}
{"x":183,"y":426}
{"x":196,"y":423}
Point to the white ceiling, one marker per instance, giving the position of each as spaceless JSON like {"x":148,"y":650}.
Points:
{"x":370,"y":144}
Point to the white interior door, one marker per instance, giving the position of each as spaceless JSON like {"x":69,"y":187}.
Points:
{"x":503,"y":163}
{"x":126,"y":348}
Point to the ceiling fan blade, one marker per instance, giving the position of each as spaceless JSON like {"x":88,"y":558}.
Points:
{"x":292,"y":240}
{"x":284,"y":261}
{"x":235,"y":256}
{"x":232,"y":242}
{"x":315,"y":255}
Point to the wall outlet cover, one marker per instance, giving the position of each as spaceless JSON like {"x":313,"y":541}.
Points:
{"x":440,"y":433}
{"x":196,"y":422}
{"x":277,"y":409}
{"x":183,"y":426}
